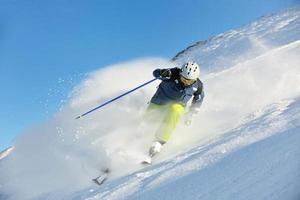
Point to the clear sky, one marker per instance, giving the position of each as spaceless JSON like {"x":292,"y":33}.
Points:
{"x":47,"y":46}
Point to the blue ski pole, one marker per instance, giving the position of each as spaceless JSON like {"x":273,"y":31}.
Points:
{"x":109,"y":101}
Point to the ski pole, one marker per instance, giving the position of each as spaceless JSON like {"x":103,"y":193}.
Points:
{"x":109,"y":101}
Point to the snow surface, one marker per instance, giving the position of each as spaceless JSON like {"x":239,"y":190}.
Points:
{"x":242,"y":145}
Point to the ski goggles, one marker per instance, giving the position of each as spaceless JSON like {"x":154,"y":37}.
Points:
{"x":186,"y":81}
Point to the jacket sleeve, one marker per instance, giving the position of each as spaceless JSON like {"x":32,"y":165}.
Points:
{"x":198,"y":99}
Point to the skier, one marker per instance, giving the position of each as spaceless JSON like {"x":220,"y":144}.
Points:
{"x":177,"y":87}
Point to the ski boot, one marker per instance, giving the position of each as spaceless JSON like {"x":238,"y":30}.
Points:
{"x":154,"y":149}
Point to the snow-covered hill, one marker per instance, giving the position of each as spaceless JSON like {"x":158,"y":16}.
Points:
{"x":5,"y":152}
{"x":236,"y":46}
{"x":242,"y":145}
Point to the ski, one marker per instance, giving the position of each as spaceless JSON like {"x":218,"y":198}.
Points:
{"x":99,"y":180}
{"x":145,"y":163}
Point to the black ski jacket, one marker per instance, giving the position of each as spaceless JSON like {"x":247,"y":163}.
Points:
{"x":172,"y":90}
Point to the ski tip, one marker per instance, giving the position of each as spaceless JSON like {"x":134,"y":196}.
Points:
{"x":145,"y":163}
{"x":99,"y":182}
{"x":102,"y":177}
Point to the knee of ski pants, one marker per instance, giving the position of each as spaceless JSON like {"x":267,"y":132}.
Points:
{"x":176,"y":108}
{"x":171,"y":119}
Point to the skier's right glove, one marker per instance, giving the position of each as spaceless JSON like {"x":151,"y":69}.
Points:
{"x":165,"y":73}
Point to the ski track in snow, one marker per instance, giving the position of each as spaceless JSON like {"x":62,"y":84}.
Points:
{"x":242,"y":145}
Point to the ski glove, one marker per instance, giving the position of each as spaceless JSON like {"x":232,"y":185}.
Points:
{"x":162,"y":73}
{"x":165,"y":73}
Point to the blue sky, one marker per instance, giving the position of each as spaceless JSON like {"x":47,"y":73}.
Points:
{"x":48,"y":46}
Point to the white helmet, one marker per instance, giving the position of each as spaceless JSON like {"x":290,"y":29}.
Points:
{"x":190,"y":70}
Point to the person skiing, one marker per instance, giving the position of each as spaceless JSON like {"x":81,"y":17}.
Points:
{"x":177,"y":87}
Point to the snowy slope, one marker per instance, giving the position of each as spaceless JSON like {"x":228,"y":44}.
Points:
{"x":5,"y":152}
{"x":259,"y":159}
{"x":235,"y":46}
{"x":242,"y":145}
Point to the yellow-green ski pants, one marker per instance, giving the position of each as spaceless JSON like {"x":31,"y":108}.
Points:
{"x":170,"y":115}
